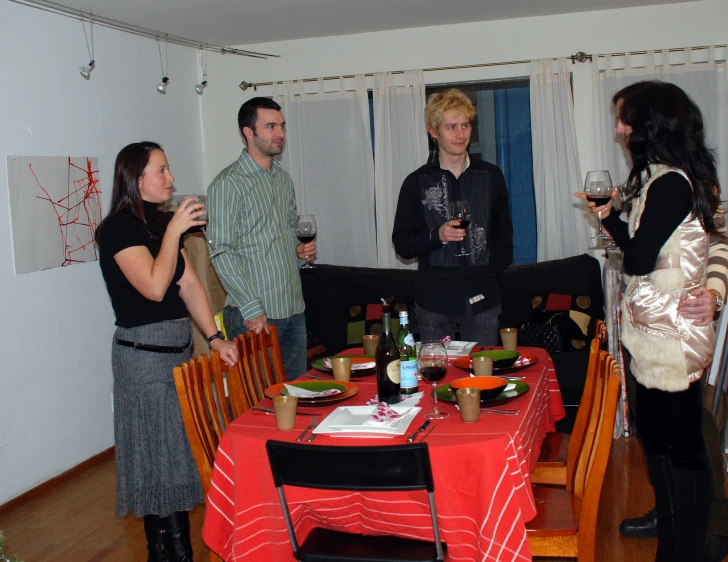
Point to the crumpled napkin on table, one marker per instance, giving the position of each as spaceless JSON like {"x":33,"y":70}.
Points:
{"x":303,"y":393}
{"x":354,"y":366}
{"x":384,"y":416}
{"x":409,"y":400}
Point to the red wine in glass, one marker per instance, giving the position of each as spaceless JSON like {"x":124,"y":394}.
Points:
{"x":306,"y":232}
{"x":464,"y":224}
{"x":433,"y":374}
{"x":306,"y":239}
{"x":599,"y":200}
{"x":459,"y":210}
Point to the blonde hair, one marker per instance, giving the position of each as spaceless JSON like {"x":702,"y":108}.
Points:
{"x":440,"y":102}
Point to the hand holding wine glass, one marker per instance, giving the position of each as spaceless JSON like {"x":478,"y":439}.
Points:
{"x":460,"y":210}
{"x":432,"y":365}
{"x":211,"y":246}
{"x":306,"y":232}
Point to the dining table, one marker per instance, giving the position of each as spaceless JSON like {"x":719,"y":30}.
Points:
{"x":481,"y":472}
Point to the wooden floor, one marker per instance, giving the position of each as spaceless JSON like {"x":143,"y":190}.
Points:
{"x":76,"y":521}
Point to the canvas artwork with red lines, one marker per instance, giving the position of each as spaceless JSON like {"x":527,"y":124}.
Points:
{"x":55,"y":207}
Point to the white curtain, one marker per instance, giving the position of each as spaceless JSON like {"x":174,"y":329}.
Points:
{"x":400,"y":148}
{"x":329,"y":156}
{"x":705,"y":82}
{"x":562,"y":227}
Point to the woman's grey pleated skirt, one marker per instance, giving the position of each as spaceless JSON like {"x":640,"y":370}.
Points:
{"x":155,"y":470}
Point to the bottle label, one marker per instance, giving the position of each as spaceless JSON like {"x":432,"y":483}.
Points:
{"x":409,"y":340}
{"x":408,"y":374}
{"x":393,"y":371}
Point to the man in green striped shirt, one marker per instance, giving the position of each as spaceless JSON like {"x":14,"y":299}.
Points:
{"x":252,"y":221}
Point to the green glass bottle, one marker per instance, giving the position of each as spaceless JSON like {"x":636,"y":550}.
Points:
{"x":408,"y":382}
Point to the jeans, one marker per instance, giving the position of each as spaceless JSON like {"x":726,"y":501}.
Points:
{"x":291,"y":335}
{"x":481,"y":328}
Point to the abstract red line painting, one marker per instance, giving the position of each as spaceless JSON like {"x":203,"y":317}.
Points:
{"x":55,"y":207}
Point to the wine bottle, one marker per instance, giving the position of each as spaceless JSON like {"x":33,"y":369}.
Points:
{"x":387,"y":361}
{"x":408,"y":383}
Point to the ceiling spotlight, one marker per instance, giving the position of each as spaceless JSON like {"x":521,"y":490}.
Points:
{"x":162,"y":86}
{"x":201,"y":86}
{"x":86,"y":70}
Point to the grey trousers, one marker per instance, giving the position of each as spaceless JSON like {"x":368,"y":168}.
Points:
{"x":481,"y":328}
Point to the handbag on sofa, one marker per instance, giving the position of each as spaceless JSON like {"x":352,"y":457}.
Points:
{"x":542,"y":333}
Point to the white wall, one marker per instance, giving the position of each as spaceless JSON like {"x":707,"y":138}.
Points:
{"x":677,"y":25}
{"x":55,"y":377}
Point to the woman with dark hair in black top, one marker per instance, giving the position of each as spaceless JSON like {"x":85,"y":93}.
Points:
{"x":153,"y":292}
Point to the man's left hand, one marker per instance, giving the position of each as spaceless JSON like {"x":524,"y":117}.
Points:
{"x":304,"y":251}
{"x":699,"y":306}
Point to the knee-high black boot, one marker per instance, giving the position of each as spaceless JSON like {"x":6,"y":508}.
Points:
{"x":693,"y":494}
{"x":176,"y":536}
{"x":154,"y":539}
{"x":660,"y":470}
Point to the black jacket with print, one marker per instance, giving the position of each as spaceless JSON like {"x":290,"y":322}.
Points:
{"x":446,"y":282}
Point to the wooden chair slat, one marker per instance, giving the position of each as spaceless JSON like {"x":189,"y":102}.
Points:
{"x":261,"y":361}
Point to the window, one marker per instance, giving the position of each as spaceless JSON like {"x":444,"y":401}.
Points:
{"x":502,"y":135}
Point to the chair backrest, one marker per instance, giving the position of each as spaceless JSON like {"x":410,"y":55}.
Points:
{"x":382,"y":468}
{"x":600,"y":332}
{"x":261,"y":362}
{"x":590,"y":433}
{"x":598,"y":465}
{"x":211,"y":395}
{"x":578,"y":433}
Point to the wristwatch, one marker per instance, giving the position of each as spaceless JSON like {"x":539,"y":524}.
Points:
{"x":718,"y":300}
{"x":218,"y":336}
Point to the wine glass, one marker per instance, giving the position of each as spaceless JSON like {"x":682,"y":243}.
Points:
{"x":432,"y":365}
{"x":461,"y":210}
{"x":598,"y":189}
{"x":306,"y":232}
{"x":211,"y":246}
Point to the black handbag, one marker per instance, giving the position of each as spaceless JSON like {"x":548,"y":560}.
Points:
{"x":544,"y":333}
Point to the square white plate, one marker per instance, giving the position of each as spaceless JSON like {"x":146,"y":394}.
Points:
{"x":350,"y":419}
{"x":455,"y":348}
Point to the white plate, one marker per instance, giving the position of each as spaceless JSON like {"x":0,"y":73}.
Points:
{"x":350,"y":419}
{"x":455,"y":348}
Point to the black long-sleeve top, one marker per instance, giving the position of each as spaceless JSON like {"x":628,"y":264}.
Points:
{"x":445,"y":282}
{"x":669,"y":201}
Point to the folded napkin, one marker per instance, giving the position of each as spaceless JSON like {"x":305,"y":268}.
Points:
{"x":354,"y":366}
{"x":303,"y":393}
{"x":384,"y":416}
{"x":410,"y":400}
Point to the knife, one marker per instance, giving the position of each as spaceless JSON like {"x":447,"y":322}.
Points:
{"x":423,"y":427}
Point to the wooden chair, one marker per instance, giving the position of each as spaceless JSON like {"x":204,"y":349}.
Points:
{"x":211,"y":395}
{"x":600,"y":332}
{"x":565,"y":525}
{"x":261,"y":362}
{"x":560,"y":451}
{"x":379,"y":468}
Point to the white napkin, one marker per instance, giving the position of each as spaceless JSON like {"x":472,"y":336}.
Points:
{"x":411,"y":400}
{"x":303,"y":393}
{"x":354,"y":366}
{"x":384,"y":416}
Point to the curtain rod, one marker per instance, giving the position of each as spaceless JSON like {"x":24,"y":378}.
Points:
{"x":60,"y":9}
{"x":578,"y":57}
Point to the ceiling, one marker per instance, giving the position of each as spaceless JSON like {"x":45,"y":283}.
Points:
{"x":246,"y":22}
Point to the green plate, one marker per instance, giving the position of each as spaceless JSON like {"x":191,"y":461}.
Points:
{"x":446,"y":394}
{"x":315,"y":386}
{"x":318,"y":364}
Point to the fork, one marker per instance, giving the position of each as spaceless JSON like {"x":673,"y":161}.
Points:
{"x":311,"y":425}
{"x":502,"y":412}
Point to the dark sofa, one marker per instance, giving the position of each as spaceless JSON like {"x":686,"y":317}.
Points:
{"x":330,"y":291}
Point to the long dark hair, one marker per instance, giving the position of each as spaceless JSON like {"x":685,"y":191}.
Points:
{"x":667,"y":128}
{"x":125,"y":196}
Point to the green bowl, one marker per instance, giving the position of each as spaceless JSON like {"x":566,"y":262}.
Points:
{"x":502,"y":359}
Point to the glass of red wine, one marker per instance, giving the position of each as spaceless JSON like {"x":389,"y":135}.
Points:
{"x":460,"y":210}
{"x":306,"y":232}
{"x":598,"y":189}
{"x":213,"y":251}
{"x":432,"y":365}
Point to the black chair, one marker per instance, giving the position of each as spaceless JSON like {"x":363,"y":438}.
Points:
{"x":393,"y":468}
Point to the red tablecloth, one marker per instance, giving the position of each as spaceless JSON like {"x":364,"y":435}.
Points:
{"x":481,"y":471}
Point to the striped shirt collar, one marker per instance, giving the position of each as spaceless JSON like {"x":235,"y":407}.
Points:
{"x":251,"y":167}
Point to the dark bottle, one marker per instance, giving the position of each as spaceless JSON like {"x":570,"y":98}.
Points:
{"x":408,"y":383}
{"x":387,"y":360}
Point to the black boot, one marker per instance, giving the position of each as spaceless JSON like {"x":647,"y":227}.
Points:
{"x":693,"y":494}
{"x":661,"y":476}
{"x":640,"y":527}
{"x":154,"y":539}
{"x":176,"y":536}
